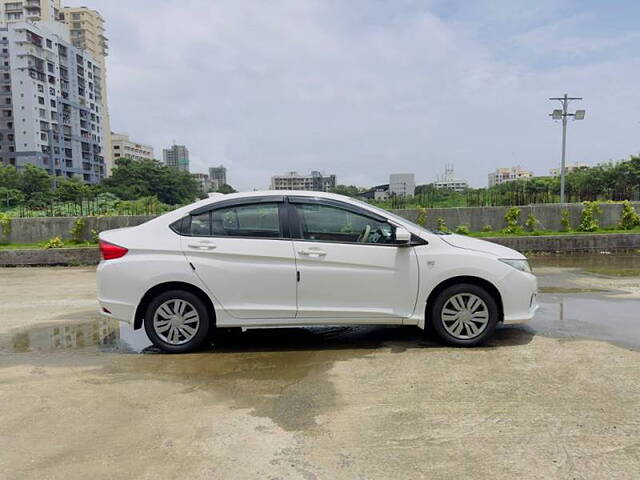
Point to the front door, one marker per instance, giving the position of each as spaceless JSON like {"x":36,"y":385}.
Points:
{"x":349,"y":266}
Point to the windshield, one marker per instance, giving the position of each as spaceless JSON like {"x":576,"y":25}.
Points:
{"x":387,"y":213}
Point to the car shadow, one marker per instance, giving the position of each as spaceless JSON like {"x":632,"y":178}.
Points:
{"x":368,"y":337}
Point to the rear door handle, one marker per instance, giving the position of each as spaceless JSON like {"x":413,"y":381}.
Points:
{"x":202,"y":245}
{"x":310,"y":252}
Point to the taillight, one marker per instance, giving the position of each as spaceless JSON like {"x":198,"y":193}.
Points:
{"x":109,"y":251}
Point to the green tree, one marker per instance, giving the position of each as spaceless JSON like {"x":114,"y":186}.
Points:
{"x":35,"y":180}
{"x":71,"y":190}
{"x":226,"y":188}
{"x":348,"y":190}
{"x":133,"y":179}
{"x":9,"y":177}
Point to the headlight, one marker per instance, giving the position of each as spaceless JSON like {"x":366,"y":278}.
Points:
{"x":519,"y":264}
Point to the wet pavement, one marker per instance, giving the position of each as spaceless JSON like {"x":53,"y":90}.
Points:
{"x":568,"y":309}
{"x":556,"y":398}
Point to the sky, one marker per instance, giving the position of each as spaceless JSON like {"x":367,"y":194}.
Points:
{"x":364,"y":88}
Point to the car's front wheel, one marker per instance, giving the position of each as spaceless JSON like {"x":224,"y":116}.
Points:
{"x":177,"y":321}
{"x":464,"y":315}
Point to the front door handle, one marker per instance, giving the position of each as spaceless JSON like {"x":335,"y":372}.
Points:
{"x":202,"y":245}
{"x":312,"y":252}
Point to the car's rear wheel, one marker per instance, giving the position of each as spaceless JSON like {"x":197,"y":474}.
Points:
{"x":464,"y":315}
{"x":177,"y":321}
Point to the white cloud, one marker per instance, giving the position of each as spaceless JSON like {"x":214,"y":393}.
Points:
{"x":363,"y":89}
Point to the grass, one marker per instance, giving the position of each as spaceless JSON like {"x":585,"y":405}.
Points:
{"x":39,"y":246}
{"x":539,"y":233}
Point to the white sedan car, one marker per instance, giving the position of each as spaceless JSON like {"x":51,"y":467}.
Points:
{"x":298,"y":258}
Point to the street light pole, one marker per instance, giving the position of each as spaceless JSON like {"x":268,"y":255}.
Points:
{"x":564,"y":115}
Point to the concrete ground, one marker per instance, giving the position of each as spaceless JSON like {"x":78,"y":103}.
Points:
{"x":538,"y":402}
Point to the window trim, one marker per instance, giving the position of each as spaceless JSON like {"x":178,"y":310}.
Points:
{"x":182,"y":226}
{"x":296,"y":222}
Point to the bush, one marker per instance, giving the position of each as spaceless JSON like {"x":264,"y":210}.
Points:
{"x":441,"y":226}
{"x":512,"y":217}
{"x":422,"y":217}
{"x":564,"y":221}
{"x":78,"y":230}
{"x":55,"y":242}
{"x":487,"y":228}
{"x":629,"y":218}
{"x":532,"y":222}
{"x":588,"y":218}
{"x":5,"y":227}
{"x":463,"y":230}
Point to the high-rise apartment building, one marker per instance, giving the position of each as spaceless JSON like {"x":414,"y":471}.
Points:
{"x":50,"y":102}
{"x":316,"y":181}
{"x":86,"y":28}
{"x":217,"y":177}
{"x":124,"y":147}
{"x":177,"y":156}
{"x":30,"y":10}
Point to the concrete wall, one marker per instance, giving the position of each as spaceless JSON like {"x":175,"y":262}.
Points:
{"x":549,"y":215}
{"x":35,"y":230}
{"x":572,"y":243}
{"x":50,"y":257}
{"x":544,"y":243}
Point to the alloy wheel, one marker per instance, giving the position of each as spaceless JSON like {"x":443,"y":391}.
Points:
{"x":176,"y":321}
{"x":465,"y":316}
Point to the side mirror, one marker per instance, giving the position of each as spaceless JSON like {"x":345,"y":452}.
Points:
{"x":403,"y":236}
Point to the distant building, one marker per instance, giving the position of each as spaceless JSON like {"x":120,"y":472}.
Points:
{"x":402,"y":184}
{"x":204,"y":181}
{"x":123,"y":147}
{"x":379,"y":192}
{"x":217,"y":177}
{"x":502,"y":175}
{"x":316,"y":181}
{"x":570,"y":167}
{"x":448,"y":181}
{"x":177,"y":156}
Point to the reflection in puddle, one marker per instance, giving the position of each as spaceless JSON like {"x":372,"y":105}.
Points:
{"x":608,"y":319}
{"x":105,"y":334}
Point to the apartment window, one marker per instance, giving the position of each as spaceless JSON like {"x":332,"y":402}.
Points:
{"x":50,"y":67}
{"x":75,"y":16}
{"x":7,"y":76}
{"x":4,"y":50}
{"x":40,"y":88}
{"x":43,"y":113}
{"x":7,"y":113}
{"x":41,"y":100}
{"x":49,"y":43}
{"x":52,"y":91}
{"x":76,"y":25}
{"x":53,"y":104}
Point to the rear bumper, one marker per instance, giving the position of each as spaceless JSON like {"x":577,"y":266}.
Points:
{"x":123,"y":312}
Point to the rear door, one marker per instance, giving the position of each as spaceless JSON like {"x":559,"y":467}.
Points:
{"x":242,"y":254}
{"x":350,"y":266}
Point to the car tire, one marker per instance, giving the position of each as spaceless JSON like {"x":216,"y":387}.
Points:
{"x":464,"y":315}
{"x":177,"y":321}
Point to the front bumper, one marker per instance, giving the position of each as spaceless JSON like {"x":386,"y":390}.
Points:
{"x":519,"y":291}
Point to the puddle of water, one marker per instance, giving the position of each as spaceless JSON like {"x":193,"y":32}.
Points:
{"x":626,"y":264}
{"x":601,"y":318}
{"x":572,"y":290}
{"x":104,"y":334}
